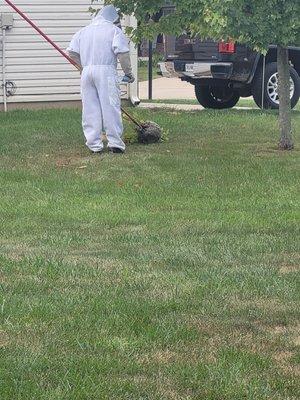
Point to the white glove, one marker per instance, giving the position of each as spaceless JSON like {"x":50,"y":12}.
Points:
{"x":129,"y":78}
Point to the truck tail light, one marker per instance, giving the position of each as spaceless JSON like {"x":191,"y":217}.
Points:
{"x":227,"y":47}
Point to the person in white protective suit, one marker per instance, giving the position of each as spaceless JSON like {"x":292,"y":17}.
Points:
{"x":97,"y":48}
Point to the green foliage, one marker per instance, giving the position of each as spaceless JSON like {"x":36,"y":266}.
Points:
{"x":256,"y":23}
{"x":253,"y":22}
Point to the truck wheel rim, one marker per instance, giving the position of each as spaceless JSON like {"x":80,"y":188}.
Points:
{"x":272,"y":88}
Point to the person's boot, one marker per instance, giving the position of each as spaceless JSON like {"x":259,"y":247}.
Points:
{"x":116,"y":150}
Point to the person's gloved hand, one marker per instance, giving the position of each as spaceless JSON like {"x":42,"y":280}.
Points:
{"x":129,"y":78}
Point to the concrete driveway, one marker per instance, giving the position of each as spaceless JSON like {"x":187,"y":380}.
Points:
{"x":168,"y":88}
{"x":173,"y":89}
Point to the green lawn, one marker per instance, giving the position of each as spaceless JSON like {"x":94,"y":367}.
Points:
{"x":143,"y":71}
{"x":170,"y":273}
{"x":143,"y":74}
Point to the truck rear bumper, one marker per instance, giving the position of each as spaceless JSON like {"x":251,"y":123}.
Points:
{"x":196,"y":70}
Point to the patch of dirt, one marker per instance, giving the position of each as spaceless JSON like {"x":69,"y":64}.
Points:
{"x":297,"y":340}
{"x":3,"y":278}
{"x":62,"y":163}
{"x":168,"y":393}
{"x":255,"y":338}
{"x":93,"y":260}
{"x":283,"y":356}
{"x":289,"y":263}
{"x":168,"y":389}
{"x":4,"y":339}
{"x":291,"y":332}
{"x":296,"y":335}
{"x":17,"y":251}
{"x":164,"y":356}
{"x":76,"y":160}
{"x":262,"y":304}
{"x":283,"y":361}
{"x":158,"y":357}
{"x":217,"y":335}
{"x":279,"y":330}
{"x":204,"y":325}
{"x":138,"y":379}
{"x":287,"y":269}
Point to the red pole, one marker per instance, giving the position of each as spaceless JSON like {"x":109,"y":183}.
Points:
{"x":42,"y":34}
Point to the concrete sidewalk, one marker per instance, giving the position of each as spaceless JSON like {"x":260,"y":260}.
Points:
{"x":182,"y":107}
{"x":176,"y":107}
{"x":168,"y":88}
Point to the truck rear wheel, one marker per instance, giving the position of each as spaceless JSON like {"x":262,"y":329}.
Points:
{"x":271,"y":98}
{"x":216,"y":97}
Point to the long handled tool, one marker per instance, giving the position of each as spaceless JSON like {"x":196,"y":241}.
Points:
{"x":148,"y":132}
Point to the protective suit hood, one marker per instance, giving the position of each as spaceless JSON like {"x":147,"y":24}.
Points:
{"x":108,"y":13}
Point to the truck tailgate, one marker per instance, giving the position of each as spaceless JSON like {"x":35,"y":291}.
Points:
{"x":195,"y":49}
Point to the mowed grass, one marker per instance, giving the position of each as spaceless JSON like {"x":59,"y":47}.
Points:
{"x":143,"y":71}
{"x":171,"y":272}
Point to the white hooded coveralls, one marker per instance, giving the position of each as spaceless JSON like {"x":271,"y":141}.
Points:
{"x":98,"y":45}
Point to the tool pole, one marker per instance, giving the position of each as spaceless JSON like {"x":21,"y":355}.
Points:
{"x":132,"y":119}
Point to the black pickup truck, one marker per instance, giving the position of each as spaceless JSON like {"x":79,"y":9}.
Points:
{"x":224,"y":72}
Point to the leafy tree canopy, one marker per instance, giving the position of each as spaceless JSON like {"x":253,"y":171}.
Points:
{"x":256,"y":23}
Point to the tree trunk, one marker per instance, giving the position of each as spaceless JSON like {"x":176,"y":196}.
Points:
{"x":285,"y":112}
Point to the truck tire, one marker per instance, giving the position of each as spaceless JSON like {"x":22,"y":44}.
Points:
{"x":271,"y":99}
{"x":216,"y":97}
